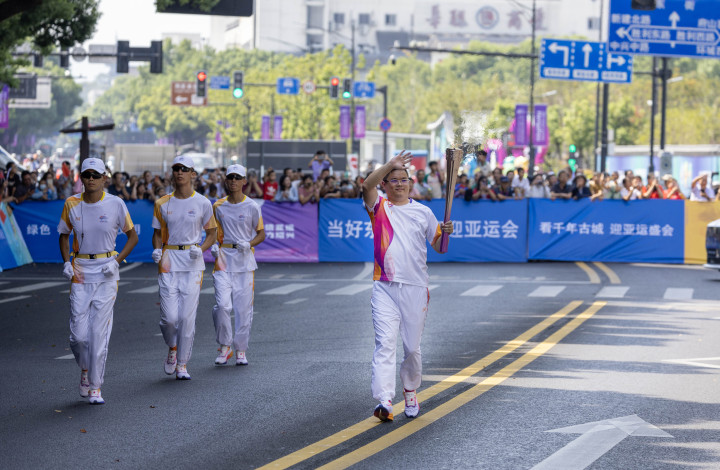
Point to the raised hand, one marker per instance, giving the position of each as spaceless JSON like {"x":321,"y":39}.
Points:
{"x":401,"y":161}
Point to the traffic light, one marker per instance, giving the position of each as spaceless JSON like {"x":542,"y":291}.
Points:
{"x":238,"y":91}
{"x":123,"y":57}
{"x":334,"y":84}
{"x":64,"y":58}
{"x":201,"y":84}
{"x":646,"y":5}
{"x":347,"y":85}
{"x":572,"y":157}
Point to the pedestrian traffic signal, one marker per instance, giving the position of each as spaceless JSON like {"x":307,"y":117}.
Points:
{"x":572,"y":148}
{"x":572,"y":163}
{"x":201,"y":84}
{"x":347,"y":85}
{"x":334,"y":84}
{"x":237,"y":91}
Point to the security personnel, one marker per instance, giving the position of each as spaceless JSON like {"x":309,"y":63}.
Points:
{"x":240,"y":229}
{"x":178,"y":220}
{"x":93,"y":217}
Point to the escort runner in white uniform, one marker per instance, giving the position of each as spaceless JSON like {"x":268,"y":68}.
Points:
{"x":179,"y":220}
{"x":400,"y":294}
{"x":94,"y":218}
{"x":240,"y":229}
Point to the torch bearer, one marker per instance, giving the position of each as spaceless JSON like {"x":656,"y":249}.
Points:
{"x":453,"y":159}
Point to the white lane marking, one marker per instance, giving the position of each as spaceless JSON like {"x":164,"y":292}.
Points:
{"x":678,"y":293}
{"x":481,"y":291}
{"x":130,"y":266}
{"x":352,"y":289}
{"x":676,"y":266}
{"x":295,"y":301}
{"x":433,"y":286}
{"x":698,"y":362}
{"x":277,"y":276}
{"x":32,"y":287}
{"x":365,"y":273}
{"x":613,"y":292}
{"x":153,"y":289}
{"x":158,"y":334}
{"x":208,"y":290}
{"x":69,"y":356}
{"x":11,"y":299}
{"x":595,"y":440}
{"x":546,"y":291}
{"x":286,"y":289}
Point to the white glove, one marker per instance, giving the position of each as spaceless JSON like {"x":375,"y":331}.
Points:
{"x":243,"y":246}
{"x":68,"y":270}
{"x":195,"y":252}
{"x":157,"y":255}
{"x":111,"y":268}
{"x":215,"y":250}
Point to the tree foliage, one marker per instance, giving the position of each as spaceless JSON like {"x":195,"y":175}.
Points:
{"x":46,"y":24}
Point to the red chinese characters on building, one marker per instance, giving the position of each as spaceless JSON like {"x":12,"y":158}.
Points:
{"x":434,"y":19}
{"x":457,"y":18}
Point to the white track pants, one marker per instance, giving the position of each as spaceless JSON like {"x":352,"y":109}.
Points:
{"x":233,"y":293}
{"x":91,"y":318}
{"x":179,"y":298}
{"x":404,"y":307}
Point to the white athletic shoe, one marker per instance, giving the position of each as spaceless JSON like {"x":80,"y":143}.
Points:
{"x":84,"y":384}
{"x":241,"y":359}
{"x":181,"y":372}
{"x":95,"y":397}
{"x":225,"y":354}
{"x":171,"y":361}
{"x":384,"y":411}
{"x":412,"y":407}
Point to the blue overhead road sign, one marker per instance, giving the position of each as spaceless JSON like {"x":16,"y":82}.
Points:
{"x":679,"y":28}
{"x":364,"y":89}
{"x":583,"y":60}
{"x":288,"y":86}
{"x":220,"y":83}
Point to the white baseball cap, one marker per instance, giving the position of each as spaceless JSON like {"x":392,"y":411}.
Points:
{"x":237,"y":169}
{"x":184,"y":160}
{"x":93,"y":164}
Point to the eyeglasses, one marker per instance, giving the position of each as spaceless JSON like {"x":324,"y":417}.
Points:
{"x":234,"y":176}
{"x":179,"y":168}
{"x":91,"y":175}
{"x":396,"y":181}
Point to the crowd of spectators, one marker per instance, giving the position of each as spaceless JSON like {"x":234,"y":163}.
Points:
{"x":319,"y":181}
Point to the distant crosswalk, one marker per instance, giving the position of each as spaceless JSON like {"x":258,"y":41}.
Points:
{"x":297,"y":292}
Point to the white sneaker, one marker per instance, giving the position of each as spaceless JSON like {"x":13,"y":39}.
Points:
{"x":181,"y":372}
{"x":171,"y":361}
{"x":84,"y":384}
{"x":95,"y":397}
{"x":384,"y":411}
{"x":225,"y":354}
{"x":241,"y":359}
{"x":412,"y":407}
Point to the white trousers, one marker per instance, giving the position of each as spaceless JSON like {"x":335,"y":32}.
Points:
{"x":91,"y":318}
{"x":233,"y":293}
{"x":179,"y":298}
{"x":404,"y":307}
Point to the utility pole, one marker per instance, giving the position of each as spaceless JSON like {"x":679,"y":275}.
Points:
{"x":383,"y":89}
{"x":352,"y":84}
{"x":597,"y":99}
{"x":665,"y":74}
{"x":84,"y":130}
{"x":653,"y":110}
{"x":531,"y":166}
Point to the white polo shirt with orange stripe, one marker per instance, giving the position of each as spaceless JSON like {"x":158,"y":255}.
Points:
{"x":95,"y":227}
{"x":181,"y":222}
{"x":238,"y":222}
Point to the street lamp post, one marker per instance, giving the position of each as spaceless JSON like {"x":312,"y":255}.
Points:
{"x":531,"y":166}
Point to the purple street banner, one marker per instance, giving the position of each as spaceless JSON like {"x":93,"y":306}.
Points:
{"x":521,"y":134}
{"x":359,"y":122}
{"x":4,"y":107}
{"x":291,"y":233}
{"x":344,"y":122}
{"x":277,"y":128}
{"x":265,"y":128}
{"x":540,"y":129}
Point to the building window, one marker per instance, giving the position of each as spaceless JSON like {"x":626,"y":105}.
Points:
{"x":315,"y":17}
{"x":593,"y":23}
{"x":391,"y":20}
{"x":364,"y":18}
{"x":339,"y":18}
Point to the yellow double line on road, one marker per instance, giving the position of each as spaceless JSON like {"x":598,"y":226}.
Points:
{"x":433,"y":415}
{"x":594,"y":278}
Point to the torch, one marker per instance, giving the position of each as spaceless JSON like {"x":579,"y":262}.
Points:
{"x":453,"y":159}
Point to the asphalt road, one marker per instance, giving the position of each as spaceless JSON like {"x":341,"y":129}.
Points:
{"x":517,"y":358}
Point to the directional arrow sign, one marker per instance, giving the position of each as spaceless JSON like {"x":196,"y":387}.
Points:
{"x":583,"y":60}
{"x":596,"y":439}
{"x":679,"y":28}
